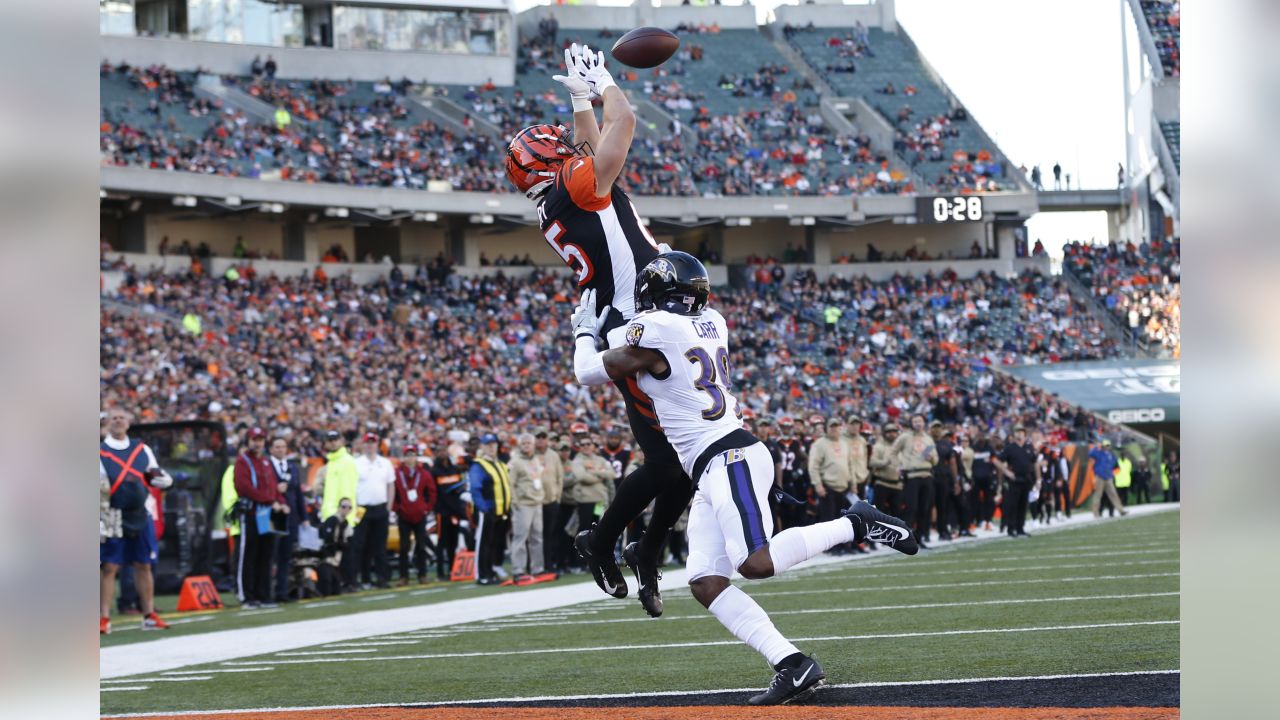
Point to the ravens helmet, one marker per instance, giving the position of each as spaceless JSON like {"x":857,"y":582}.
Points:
{"x":674,"y":281}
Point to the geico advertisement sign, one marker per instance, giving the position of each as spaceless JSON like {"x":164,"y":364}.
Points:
{"x":1136,"y":415}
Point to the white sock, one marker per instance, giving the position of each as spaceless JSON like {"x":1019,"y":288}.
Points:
{"x":795,"y":545}
{"x":749,"y":623}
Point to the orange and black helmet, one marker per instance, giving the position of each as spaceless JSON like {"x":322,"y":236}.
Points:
{"x":534,"y":157}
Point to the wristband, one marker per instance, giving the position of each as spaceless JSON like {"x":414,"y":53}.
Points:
{"x":580,"y":104}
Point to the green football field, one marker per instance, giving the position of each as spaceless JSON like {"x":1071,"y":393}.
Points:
{"x":1097,"y":598}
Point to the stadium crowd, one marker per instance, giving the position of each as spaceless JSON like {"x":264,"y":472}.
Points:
{"x":1164,"y":18}
{"x":1141,"y":285}
{"x":457,"y":369}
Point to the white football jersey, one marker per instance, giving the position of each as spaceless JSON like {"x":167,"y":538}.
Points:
{"x":692,"y":400}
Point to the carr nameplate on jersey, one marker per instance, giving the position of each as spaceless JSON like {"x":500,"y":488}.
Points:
{"x":635,"y":331}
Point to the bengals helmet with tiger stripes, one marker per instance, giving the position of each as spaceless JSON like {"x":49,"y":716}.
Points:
{"x":534,"y":157}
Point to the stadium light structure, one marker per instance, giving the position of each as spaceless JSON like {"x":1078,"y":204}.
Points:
{"x":336,"y":212}
{"x":737,"y":222}
{"x":270,"y":207}
{"x":184,"y":201}
{"x":425,"y":217}
{"x":482,"y":219}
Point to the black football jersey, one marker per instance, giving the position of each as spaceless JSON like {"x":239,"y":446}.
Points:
{"x":601,"y":238}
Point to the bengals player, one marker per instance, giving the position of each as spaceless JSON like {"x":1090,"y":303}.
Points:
{"x":593,"y":226}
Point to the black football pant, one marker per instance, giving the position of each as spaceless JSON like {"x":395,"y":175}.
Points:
{"x":452,"y":512}
{"x":253,"y":562}
{"x":551,"y":535}
{"x":330,"y":579}
{"x":1015,"y":506}
{"x":916,"y":500}
{"x":284,"y":566}
{"x":1062,"y":498}
{"x":566,"y":556}
{"x":370,"y":544}
{"x":660,"y":479}
{"x":417,"y":533}
{"x":984,"y":499}
{"x":943,"y":502}
{"x":488,"y":545}
{"x":888,"y":500}
{"x":829,"y":508}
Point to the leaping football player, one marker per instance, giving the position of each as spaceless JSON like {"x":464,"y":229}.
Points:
{"x":677,"y":350}
{"x":593,"y":226}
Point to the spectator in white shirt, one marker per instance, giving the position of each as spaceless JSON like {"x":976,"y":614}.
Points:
{"x":374,"y":492}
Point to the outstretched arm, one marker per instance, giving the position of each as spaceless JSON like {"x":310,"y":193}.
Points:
{"x":598,"y":368}
{"x":619,"y":121}
{"x":585,"y":127}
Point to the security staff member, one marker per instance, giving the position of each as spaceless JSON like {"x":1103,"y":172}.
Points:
{"x":491,"y":493}
{"x":375,"y":491}
{"x":259,"y":492}
{"x":886,"y":476}
{"x":916,"y":456}
{"x":339,"y":478}
{"x":946,"y":475}
{"x":415,"y":499}
{"x":1017,"y":462}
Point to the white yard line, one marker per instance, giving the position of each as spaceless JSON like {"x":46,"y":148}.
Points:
{"x":188,"y":678}
{"x":372,"y":643}
{"x":171,"y":653}
{"x":308,"y":653}
{"x":1031,"y":581}
{"x":217,"y":670}
{"x":700,"y":644}
{"x":119,"y":688}
{"x":322,"y":603}
{"x":660,"y":693}
{"x":829,"y":610}
{"x":908,"y":572}
{"x":179,"y":621}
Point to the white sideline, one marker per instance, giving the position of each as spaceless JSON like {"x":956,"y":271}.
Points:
{"x":707,"y":643}
{"x":178,"y":652}
{"x":659,"y":693}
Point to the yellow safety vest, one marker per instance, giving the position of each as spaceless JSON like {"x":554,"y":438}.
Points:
{"x":501,"y":485}
{"x":1124,"y":470}
{"x":229,"y":497}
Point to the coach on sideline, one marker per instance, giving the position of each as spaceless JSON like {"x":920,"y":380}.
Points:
{"x":129,"y":467}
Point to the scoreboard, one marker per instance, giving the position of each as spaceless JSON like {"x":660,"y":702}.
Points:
{"x":953,"y":209}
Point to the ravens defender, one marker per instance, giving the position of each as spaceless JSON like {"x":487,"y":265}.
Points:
{"x":677,"y":350}
{"x":593,"y":226}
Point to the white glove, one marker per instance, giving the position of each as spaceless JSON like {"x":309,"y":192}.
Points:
{"x":162,"y":481}
{"x":590,"y":66}
{"x":585,"y":317}
{"x":579,"y":90}
{"x":664,"y":248}
{"x":466,"y":497}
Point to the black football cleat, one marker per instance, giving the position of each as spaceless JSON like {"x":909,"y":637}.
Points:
{"x":604,"y":566}
{"x":792,"y":685}
{"x":871,"y":524}
{"x":647,"y":577}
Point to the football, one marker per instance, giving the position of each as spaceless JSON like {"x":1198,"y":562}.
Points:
{"x":645,"y":47}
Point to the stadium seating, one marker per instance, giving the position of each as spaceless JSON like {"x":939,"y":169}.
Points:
{"x":419,"y":355}
{"x":1140,"y":285}
{"x":1172,"y":132}
{"x":937,"y":140}
{"x":744,"y":123}
{"x":1164,"y":20}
